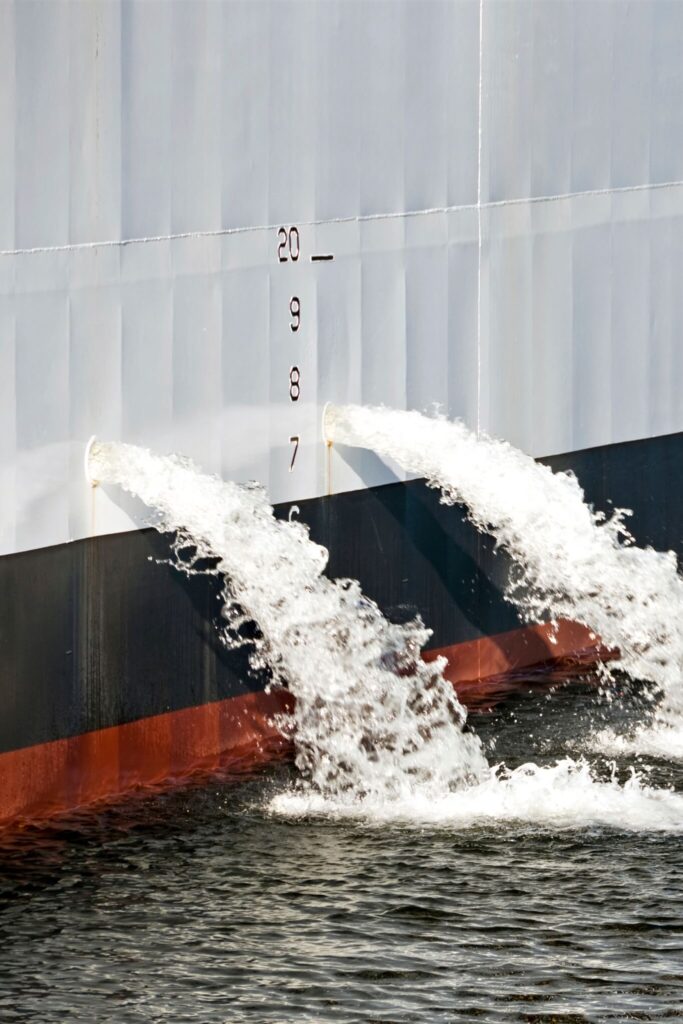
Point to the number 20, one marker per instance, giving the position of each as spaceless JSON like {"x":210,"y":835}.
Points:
{"x":289,"y":247}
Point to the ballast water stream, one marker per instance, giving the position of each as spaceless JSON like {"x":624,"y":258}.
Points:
{"x":378,"y":732}
{"x":568,"y":560}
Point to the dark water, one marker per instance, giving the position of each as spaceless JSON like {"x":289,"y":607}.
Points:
{"x":197,"y":906}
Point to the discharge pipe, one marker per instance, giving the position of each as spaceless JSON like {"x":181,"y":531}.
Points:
{"x":338,"y":425}
{"x":86,"y":461}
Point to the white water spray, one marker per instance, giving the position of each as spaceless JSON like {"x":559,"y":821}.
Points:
{"x":371,"y":716}
{"x":570,"y":562}
{"x":377,"y":731}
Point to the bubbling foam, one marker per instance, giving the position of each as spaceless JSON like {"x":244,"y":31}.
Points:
{"x":566,"y":795}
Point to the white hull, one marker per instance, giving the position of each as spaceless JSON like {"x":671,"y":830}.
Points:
{"x":500,"y":186}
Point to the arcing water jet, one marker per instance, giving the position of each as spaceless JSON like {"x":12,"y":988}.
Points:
{"x":569,"y":561}
{"x":371,"y":716}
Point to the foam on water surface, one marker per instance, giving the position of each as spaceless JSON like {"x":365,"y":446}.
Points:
{"x":655,"y":738}
{"x":565,"y":795}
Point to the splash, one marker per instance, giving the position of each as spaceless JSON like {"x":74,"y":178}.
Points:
{"x":660,"y":736}
{"x":569,"y":561}
{"x":378,"y":732}
{"x":371,"y":717}
{"x":566,"y":795}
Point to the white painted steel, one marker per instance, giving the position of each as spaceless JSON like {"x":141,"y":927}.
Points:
{"x":507,"y":235}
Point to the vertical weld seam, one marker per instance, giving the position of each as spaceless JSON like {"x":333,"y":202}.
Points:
{"x":479,"y":238}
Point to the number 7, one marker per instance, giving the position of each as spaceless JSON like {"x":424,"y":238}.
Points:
{"x":295,"y":441}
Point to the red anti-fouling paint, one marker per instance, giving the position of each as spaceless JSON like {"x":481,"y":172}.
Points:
{"x":39,"y":781}
{"x":46,"y":779}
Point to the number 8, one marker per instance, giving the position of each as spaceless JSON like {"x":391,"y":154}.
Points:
{"x":294,"y":383}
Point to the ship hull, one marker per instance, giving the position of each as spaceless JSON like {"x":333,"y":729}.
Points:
{"x":115,"y":675}
{"x":215,"y":218}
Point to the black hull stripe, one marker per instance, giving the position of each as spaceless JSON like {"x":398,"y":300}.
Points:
{"x":96,"y":634}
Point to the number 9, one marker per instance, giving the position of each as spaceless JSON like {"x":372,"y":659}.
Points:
{"x":295,"y":310}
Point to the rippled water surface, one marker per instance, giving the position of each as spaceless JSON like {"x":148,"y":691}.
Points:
{"x":200,"y":905}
